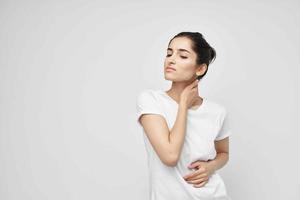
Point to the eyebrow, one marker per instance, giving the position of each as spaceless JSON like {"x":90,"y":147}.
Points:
{"x":179,"y":50}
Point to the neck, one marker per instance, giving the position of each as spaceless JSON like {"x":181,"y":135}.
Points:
{"x":177,"y":88}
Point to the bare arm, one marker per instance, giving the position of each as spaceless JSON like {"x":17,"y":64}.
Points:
{"x":222,"y":148}
{"x":168,"y":143}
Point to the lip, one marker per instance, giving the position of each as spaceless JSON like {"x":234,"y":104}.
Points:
{"x":170,"y":68}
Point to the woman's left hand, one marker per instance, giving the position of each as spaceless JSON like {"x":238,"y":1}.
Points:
{"x":204,"y":169}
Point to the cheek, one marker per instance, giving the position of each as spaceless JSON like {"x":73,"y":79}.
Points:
{"x":186,"y":63}
{"x":185,"y":73}
{"x":187,"y":67}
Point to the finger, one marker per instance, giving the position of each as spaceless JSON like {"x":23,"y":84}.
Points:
{"x":195,"y":88}
{"x":194,"y":83}
{"x":186,"y":177}
{"x":195,"y":175}
{"x":199,"y":171}
{"x":200,"y":176}
{"x":201,"y":184}
{"x":197,"y":181}
{"x":194,"y":165}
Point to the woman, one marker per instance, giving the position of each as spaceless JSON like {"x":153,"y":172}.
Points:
{"x":186,"y":135}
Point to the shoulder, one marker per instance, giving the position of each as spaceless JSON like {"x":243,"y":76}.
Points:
{"x":148,"y":95}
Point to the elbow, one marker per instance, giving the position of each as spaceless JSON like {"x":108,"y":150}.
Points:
{"x":227,"y":157}
{"x":171,"y":160}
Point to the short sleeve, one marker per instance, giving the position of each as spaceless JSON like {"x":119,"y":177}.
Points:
{"x":147,"y":103}
{"x":224,"y":126}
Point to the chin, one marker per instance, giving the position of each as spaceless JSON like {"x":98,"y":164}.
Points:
{"x":168,"y":78}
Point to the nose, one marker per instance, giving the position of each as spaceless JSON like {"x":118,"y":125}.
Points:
{"x":171,"y":63}
{"x":171,"y":60}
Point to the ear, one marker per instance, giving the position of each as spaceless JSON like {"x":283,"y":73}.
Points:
{"x":201,"y":69}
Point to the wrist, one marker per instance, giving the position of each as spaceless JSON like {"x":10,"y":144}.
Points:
{"x":183,"y":106}
{"x":213,"y":165}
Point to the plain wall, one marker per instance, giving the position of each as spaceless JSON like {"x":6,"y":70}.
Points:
{"x":70,"y":72}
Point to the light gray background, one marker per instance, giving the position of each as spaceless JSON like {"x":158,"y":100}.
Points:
{"x":70,"y":73}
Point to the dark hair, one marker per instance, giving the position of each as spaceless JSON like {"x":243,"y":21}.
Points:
{"x":205,"y":53}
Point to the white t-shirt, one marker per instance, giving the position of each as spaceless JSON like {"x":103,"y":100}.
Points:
{"x":206,"y":123}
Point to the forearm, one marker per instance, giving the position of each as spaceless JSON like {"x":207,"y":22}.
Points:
{"x":220,"y":160}
{"x":177,"y":133}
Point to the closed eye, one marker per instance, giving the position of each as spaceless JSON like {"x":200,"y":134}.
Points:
{"x":184,"y":57}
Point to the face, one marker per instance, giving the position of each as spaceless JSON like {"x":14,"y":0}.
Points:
{"x":182,"y":58}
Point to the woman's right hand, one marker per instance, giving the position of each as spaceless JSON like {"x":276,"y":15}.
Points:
{"x":189,"y":94}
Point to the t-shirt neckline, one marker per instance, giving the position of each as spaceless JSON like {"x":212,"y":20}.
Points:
{"x":190,"y":110}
